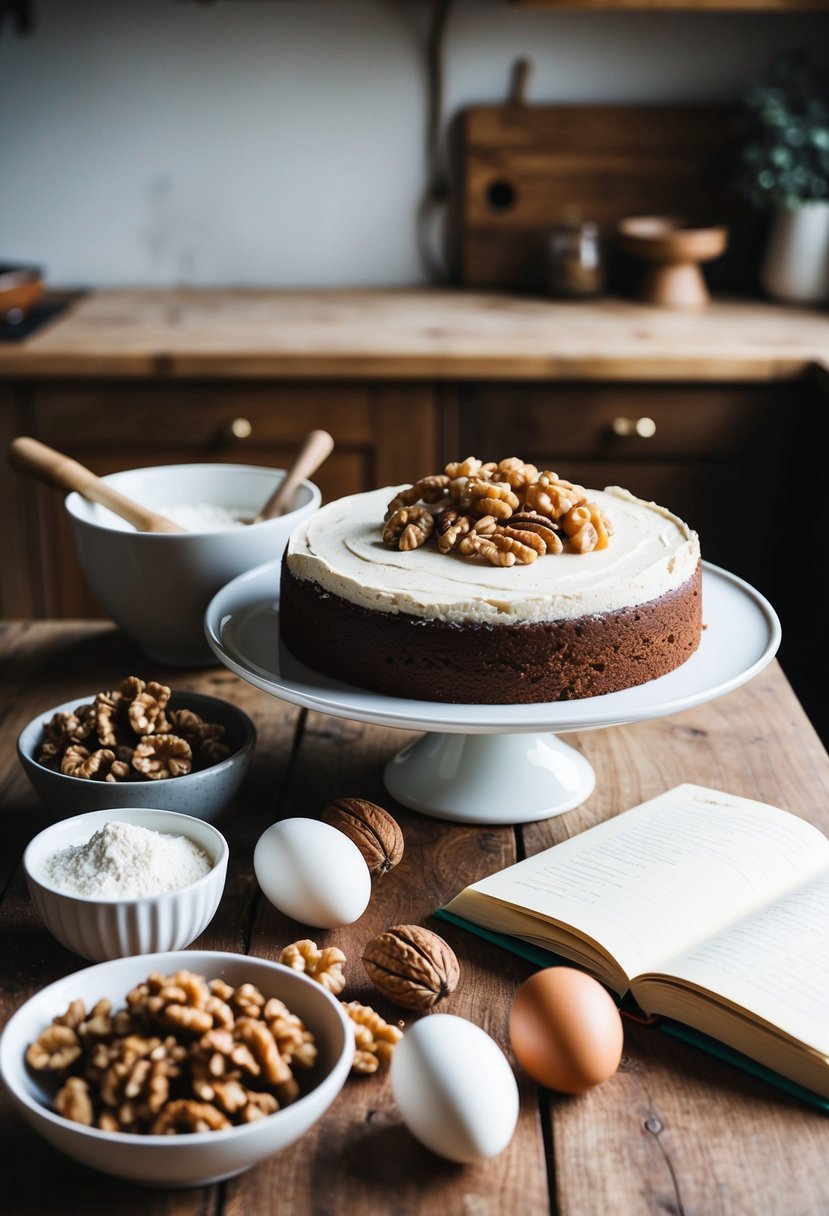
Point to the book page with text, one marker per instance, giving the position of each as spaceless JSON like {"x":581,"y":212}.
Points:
{"x":664,"y":876}
{"x":772,"y":963}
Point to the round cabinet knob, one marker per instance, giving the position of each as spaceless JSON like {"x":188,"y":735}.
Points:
{"x":645,"y":428}
{"x":239,"y":429}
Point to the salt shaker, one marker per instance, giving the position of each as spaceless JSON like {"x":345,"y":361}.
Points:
{"x":575,"y":264}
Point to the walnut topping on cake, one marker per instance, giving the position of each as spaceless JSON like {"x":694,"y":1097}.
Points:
{"x":507,"y":513}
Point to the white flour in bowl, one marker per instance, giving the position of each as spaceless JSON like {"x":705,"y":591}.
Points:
{"x":204,"y":517}
{"x":125,"y":861}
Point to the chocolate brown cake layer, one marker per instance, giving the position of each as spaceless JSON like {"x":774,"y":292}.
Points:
{"x":406,"y":656}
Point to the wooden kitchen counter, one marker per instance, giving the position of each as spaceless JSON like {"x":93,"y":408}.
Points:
{"x":675,"y":1131}
{"x":414,"y":334}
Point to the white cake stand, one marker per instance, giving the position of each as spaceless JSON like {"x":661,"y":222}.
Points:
{"x":493,"y":764}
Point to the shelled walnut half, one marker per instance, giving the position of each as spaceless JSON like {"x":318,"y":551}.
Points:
{"x":528,"y":513}
{"x":130,"y":734}
{"x":184,"y":1055}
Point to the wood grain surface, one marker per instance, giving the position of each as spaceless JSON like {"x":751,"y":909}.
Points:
{"x":674,"y":1132}
{"x":414,"y":334}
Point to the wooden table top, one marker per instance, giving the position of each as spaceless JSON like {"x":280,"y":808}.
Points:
{"x":420,"y":333}
{"x":674,"y":1131}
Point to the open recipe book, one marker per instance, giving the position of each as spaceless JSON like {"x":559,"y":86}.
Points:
{"x":707,"y":908}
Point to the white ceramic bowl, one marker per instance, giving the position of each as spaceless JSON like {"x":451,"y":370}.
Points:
{"x":99,"y":929}
{"x":202,"y":1157}
{"x":203,"y":794}
{"x":157,"y":586}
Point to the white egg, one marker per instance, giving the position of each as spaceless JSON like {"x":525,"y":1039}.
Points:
{"x":312,"y":872}
{"x":454,"y":1088}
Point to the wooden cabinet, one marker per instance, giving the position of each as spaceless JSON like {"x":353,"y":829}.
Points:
{"x":722,"y":455}
{"x":383,"y":433}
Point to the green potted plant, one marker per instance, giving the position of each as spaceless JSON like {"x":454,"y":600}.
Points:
{"x":783,"y":166}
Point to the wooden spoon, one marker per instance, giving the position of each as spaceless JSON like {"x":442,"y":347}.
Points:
{"x":316,"y":448}
{"x":30,"y":456}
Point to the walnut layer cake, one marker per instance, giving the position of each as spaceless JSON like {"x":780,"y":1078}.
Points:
{"x":434,"y":626}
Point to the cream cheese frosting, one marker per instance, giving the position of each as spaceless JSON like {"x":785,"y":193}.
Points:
{"x":651,"y":552}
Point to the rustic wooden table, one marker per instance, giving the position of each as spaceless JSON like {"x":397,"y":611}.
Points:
{"x":675,"y":1131}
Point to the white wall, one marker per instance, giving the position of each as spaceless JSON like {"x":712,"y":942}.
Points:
{"x":156,"y":142}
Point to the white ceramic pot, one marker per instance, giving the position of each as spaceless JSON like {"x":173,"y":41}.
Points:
{"x":796,"y":264}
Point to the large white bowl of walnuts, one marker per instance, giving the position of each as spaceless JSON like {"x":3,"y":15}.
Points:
{"x":176,"y":1069}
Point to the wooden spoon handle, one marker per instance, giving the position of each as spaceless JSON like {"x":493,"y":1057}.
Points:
{"x":310,"y":456}
{"x":31,"y":456}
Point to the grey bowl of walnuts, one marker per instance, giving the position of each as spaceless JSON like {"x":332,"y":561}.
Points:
{"x":189,"y":755}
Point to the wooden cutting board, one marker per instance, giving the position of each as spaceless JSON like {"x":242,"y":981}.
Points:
{"x":524,"y":167}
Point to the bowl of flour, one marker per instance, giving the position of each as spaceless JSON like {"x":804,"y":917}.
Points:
{"x":110,"y":884}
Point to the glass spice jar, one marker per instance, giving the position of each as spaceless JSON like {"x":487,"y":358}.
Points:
{"x":575,"y":262}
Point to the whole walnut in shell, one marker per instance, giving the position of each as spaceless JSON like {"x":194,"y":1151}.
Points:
{"x":411,"y":966}
{"x":376,"y":834}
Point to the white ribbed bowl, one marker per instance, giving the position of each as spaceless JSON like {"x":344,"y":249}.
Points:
{"x":199,"y":1158}
{"x":99,"y":929}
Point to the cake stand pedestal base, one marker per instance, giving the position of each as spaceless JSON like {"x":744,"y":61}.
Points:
{"x":490,"y":778}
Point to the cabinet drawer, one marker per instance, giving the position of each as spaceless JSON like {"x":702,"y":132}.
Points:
{"x":553,"y":424}
{"x":192,"y":415}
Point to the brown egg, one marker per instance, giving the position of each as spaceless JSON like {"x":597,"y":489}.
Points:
{"x":566,"y":1030}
